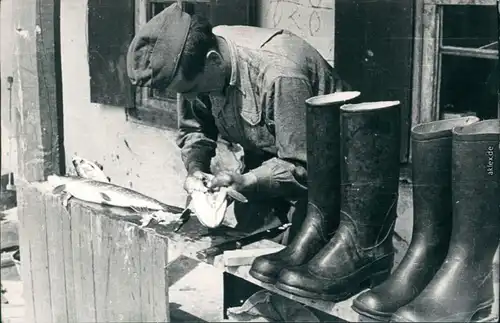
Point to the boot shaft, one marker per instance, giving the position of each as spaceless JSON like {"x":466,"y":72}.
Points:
{"x":476,"y":191}
{"x":370,"y":145}
{"x":323,"y":149}
{"x":432,"y":206}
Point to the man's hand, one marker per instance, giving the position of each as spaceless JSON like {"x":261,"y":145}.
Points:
{"x":235,"y":181}
{"x":197,"y":181}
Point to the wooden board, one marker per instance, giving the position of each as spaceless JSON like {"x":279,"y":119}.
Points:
{"x":341,"y":310}
{"x":80,"y":265}
{"x":37,"y":82}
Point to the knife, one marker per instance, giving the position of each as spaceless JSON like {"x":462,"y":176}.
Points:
{"x":236,"y":195}
{"x":241,"y":242}
{"x":185,"y":215}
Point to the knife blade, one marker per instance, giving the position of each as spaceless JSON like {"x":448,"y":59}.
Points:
{"x":236,"y":195}
{"x":185,"y":215}
{"x":241,"y":242}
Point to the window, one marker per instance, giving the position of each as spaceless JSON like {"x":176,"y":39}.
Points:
{"x":159,"y":108}
{"x":456,"y":70}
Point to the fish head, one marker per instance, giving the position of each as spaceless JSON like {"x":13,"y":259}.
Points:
{"x":87,"y":169}
{"x":209,"y":207}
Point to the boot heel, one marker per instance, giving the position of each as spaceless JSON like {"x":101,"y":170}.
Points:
{"x":379,"y":278}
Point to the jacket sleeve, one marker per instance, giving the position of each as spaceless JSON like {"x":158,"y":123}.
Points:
{"x":197,"y":134}
{"x":286,"y":175}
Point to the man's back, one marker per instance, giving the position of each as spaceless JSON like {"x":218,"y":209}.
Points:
{"x":278,"y":51}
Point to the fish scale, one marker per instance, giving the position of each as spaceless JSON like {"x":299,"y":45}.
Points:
{"x":107,"y":193}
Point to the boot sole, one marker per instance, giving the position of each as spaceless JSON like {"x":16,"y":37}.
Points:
{"x":481,"y":309}
{"x":370,"y":282}
{"x":263,"y":278}
{"x":376,"y":315}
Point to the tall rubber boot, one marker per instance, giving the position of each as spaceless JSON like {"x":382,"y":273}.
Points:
{"x":323,"y":176}
{"x":462,"y":290}
{"x":432,"y":221}
{"x":361,"y":251}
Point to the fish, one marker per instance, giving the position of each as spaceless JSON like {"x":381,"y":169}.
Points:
{"x":106,"y":193}
{"x":210,"y":207}
{"x":90,"y":170}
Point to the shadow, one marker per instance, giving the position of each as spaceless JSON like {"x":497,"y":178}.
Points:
{"x":179,"y":268}
{"x":8,"y":200}
{"x":178,"y":315}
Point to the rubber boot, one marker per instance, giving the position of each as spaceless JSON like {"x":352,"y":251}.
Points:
{"x":462,"y":289}
{"x":361,"y":251}
{"x":323,"y":176}
{"x":432,"y":221}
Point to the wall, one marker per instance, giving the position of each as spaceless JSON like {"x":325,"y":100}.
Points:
{"x":7,"y":136}
{"x":143,"y":158}
{"x":311,"y":19}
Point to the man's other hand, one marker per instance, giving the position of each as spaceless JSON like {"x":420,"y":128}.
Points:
{"x":237,"y":182}
{"x":197,"y":181}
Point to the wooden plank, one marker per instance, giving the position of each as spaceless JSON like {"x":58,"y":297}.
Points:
{"x":461,"y":2}
{"x":117,"y":270}
{"x":246,"y":257}
{"x":431,"y":21}
{"x":83,"y":265}
{"x":469,"y":52}
{"x":38,"y":83}
{"x":25,"y":252}
{"x":417,"y":64}
{"x":160,"y":278}
{"x":341,"y":310}
{"x":36,"y":227}
{"x":55,"y":249}
{"x":69,"y":273}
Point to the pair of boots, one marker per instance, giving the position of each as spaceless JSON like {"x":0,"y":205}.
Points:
{"x":345,"y":242}
{"x":446,"y":274}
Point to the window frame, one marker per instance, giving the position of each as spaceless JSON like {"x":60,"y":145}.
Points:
{"x":428,"y":52}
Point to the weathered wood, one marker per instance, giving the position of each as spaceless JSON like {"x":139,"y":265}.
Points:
{"x":431,"y":37}
{"x":246,"y":257}
{"x":55,"y":251}
{"x":38,"y":83}
{"x":83,"y":261}
{"x":417,"y":64}
{"x":67,"y":259}
{"x":25,"y":253}
{"x":83,"y":265}
{"x":36,"y":228}
{"x":341,"y":310}
{"x":470,"y":52}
